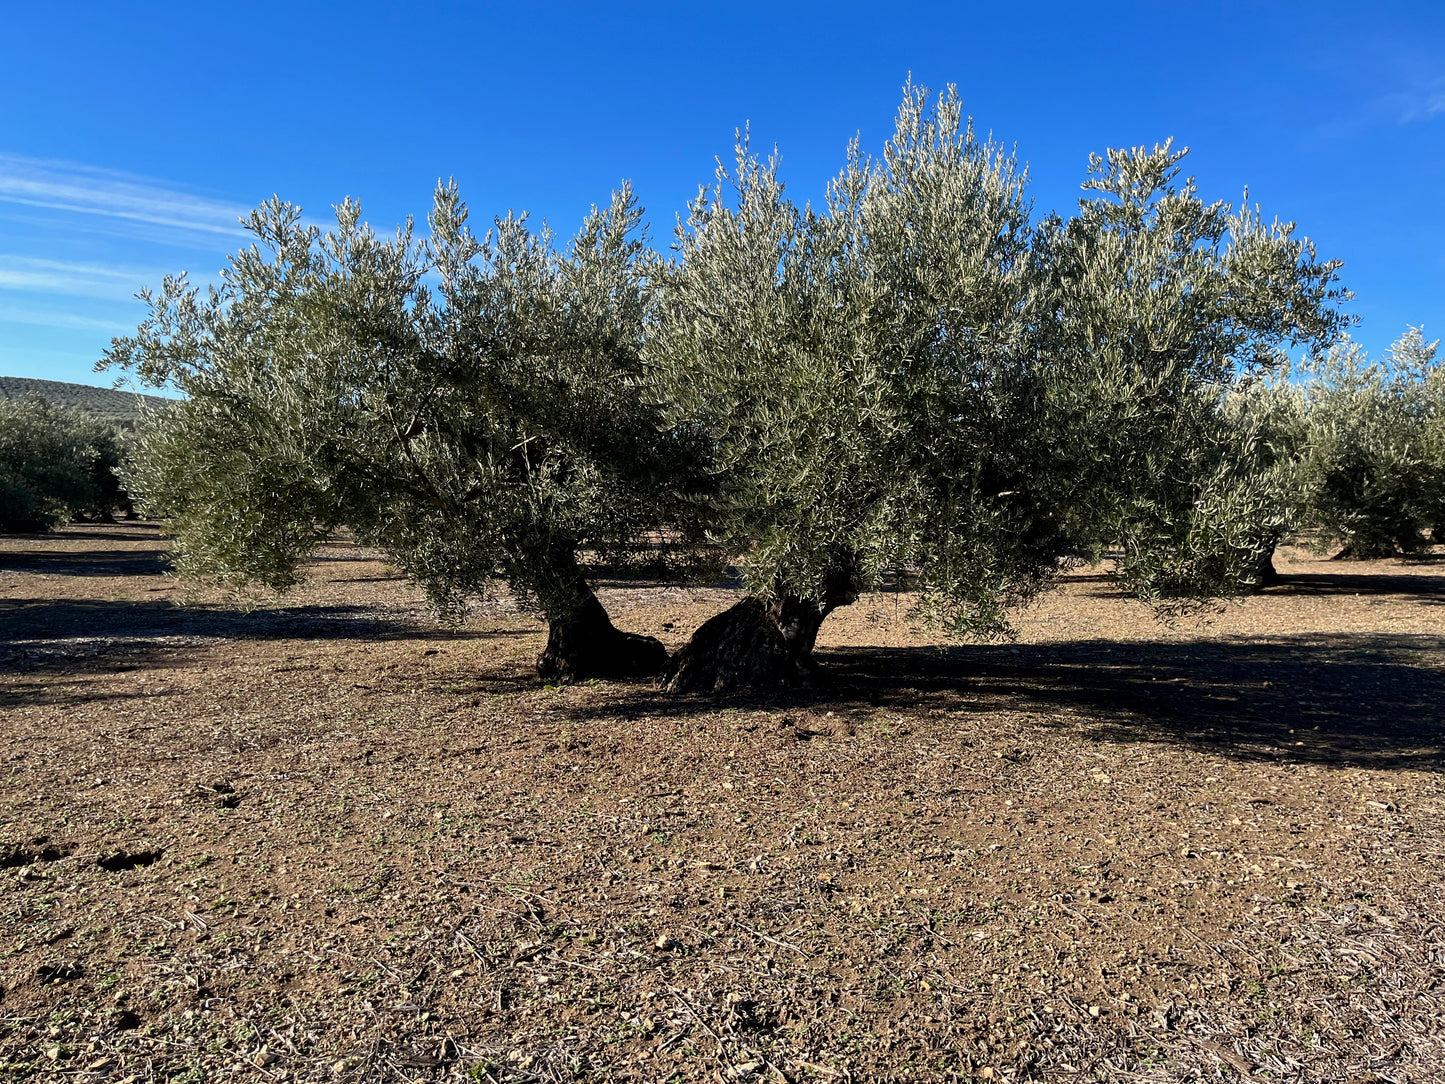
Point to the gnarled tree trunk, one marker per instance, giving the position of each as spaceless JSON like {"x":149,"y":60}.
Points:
{"x":1265,"y":574}
{"x":582,"y":642}
{"x":758,"y":644}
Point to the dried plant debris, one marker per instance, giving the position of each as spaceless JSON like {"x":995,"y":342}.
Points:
{"x":350,"y":845}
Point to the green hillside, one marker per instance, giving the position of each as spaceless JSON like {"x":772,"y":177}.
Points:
{"x":107,"y":404}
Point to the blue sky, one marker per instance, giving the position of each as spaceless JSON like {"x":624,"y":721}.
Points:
{"x":132,"y":136}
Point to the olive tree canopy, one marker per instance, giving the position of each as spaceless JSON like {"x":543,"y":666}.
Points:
{"x":912,"y":380}
{"x":1156,"y":306}
{"x":468,"y":404}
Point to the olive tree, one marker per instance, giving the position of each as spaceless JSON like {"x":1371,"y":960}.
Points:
{"x":468,"y":404}
{"x":860,"y":370}
{"x":913,"y":380}
{"x":1431,"y":397}
{"x":1371,"y":446}
{"x":1267,"y":410}
{"x":56,"y":464}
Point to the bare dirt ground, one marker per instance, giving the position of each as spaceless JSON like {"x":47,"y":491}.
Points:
{"x":331,"y":841}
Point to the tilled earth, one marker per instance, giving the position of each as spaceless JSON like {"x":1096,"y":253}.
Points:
{"x":329,"y":840}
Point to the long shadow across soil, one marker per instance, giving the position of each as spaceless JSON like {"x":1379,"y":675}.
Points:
{"x":1428,"y":590}
{"x":1373,"y":701}
{"x":59,"y":620}
{"x":39,"y":630}
{"x":108,"y":635}
{"x":99,"y":562}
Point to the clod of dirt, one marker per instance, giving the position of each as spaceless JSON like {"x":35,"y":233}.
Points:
{"x":120,"y":861}
{"x":39,"y":849}
{"x":60,"y":973}
{"x":806,"y":729}
{"x":749,"y":1015}
{"x":221,"y":792}
{"x":420,"y":1060}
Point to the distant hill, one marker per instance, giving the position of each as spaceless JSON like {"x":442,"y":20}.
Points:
{"x":107,"y":404}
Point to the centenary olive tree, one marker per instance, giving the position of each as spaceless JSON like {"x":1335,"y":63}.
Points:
{"x":913,"y":380}
{"x":468,"y":404}
{"x":858,"y":371}
{"x":1371,"y":446}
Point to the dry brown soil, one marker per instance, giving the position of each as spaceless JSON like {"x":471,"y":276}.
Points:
{"x":329,"y":840}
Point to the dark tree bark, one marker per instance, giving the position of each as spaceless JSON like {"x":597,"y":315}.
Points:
{"x":1266,"y":575}
{"x":742,"y":647}
{"x":585,"y":644}
{"x":582,"y":642}
{"x":758,"y":644}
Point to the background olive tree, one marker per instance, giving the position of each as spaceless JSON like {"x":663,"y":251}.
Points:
{"x":56,"y":464}
{"x":468,"y":404}
{"x":1157,"y":306}
{"x":1371,"y":446}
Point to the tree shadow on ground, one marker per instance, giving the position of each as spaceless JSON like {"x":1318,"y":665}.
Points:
{"x":1415,"y":588}
{"x":134,"y":531}
{"x":94,"y":563}
{"x":1366,"y":700}
{"x":36,"y":632}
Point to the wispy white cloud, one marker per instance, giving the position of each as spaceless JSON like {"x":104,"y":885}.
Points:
{"x":106,"y":194}
{"x":1422,"y":101}
{"x":1419,"y":103}
{"x":9,"y":314}
{"x":36,"y":275}
{"x":77,"y":242}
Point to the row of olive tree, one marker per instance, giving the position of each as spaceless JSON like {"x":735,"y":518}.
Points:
{"x":912,"y":377}
{"x":56,"y":464}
